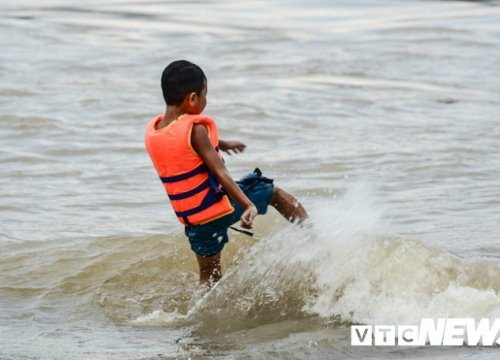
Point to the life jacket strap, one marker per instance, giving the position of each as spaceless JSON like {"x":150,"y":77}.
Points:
{"x":211,"y":198}
{"x":204,"y":185}
{"x":248,"y":233}
{"x":196,"y":171}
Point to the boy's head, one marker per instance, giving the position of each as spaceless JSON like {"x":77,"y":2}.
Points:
{"x":180,"y":79}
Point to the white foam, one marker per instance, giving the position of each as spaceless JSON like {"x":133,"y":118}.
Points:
{"x":347,"y":266}
{"x":158,"y":318}
{"x":367,"y":276}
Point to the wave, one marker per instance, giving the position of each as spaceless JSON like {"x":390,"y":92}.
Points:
{"x":342,"y":268}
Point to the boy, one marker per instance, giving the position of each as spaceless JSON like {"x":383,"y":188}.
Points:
{"x":185,"y":149}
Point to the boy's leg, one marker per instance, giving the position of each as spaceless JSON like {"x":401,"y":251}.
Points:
{"x":210,"y":269}
{"x":288,"y":206}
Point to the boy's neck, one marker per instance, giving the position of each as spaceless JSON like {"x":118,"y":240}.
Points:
{"x":171,"y":113}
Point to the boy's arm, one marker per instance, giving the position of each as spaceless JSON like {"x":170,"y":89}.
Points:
{"x":228,"y":145}
{"x":204,"y":148}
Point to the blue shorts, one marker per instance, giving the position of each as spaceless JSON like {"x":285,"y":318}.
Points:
{"x":209,"y":239}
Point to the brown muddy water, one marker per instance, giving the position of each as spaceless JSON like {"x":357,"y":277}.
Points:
{"x":381,"y":116}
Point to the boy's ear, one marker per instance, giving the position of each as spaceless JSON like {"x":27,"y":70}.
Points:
{"x":192,"y":98}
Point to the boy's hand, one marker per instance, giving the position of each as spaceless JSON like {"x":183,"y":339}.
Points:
{"x":248,"y":216}
{"x":234,"y":146}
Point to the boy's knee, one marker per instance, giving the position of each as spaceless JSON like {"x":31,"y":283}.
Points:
{"x":277,"y":191}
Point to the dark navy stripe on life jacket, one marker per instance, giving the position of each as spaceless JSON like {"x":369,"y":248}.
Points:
{"x":212,"y":197}
{"x":197,"y":170}
{"x":205,"y":184}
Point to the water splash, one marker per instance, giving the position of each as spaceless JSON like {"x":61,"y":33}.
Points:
{"x":346,"y":267}
{"x":343,"y":267}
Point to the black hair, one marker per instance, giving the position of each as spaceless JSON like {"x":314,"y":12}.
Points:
{"x":180,"y":78}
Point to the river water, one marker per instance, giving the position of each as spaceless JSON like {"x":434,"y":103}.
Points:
{"x":381,"y":116}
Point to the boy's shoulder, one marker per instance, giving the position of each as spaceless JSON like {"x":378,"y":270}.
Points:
{"x":202,"y":119}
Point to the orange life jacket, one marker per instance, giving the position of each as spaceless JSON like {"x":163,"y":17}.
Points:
{"x":195,"y":194}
